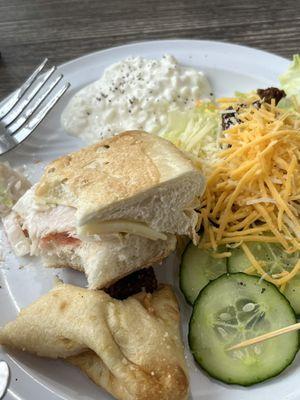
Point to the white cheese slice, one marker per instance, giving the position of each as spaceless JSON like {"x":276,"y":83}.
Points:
{"x":96,"y":227}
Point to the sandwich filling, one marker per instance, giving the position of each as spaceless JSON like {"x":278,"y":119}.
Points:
{"x":109,"y":209}
{"x":31,"y":227}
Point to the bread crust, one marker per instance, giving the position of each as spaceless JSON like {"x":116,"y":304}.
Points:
{"x":108,"y":339}
{"x":111,"y":171}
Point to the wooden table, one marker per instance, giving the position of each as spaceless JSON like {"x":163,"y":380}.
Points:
{"x":64,"y":29}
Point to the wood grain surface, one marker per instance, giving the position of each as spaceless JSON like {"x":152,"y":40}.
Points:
{"x":64,"y":29}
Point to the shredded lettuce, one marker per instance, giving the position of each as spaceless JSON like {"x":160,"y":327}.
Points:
{"x":290,"y":83}
{"x":290,"y":80}
{"x":291,"y":104}
{"x":246,"y":95}
{"x":195,"y":131}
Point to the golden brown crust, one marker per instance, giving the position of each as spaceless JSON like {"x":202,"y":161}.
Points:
{"x":169,"y":382}
{"x":108,"y":339}
{"x":111,"y":171}
{"x":108,"y":159}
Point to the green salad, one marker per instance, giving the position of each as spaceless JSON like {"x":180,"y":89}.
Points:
{"x":197,"y":131}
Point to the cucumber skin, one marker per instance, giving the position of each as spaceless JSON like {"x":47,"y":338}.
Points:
{"x":180,"y":277}
{"x":182,"y":290}
{"x":180,"y":287}
{"x":224,"y":380}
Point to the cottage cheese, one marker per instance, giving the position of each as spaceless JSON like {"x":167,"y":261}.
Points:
{"x":136,"y":93}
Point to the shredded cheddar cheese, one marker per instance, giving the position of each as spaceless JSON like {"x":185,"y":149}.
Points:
{"x":253,"y":191}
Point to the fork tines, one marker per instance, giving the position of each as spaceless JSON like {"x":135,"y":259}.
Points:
{"x":22,"y":111}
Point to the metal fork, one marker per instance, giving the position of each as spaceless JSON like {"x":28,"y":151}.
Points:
{"x":20,"y":113}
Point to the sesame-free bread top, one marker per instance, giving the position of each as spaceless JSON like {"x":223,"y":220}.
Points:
{"x":112,"y":172}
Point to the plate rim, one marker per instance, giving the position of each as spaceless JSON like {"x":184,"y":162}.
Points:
{"x":38,"y":386}
{"x":173,"y":40}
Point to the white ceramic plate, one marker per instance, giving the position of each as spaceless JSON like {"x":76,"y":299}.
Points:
{"x":229,"y":68}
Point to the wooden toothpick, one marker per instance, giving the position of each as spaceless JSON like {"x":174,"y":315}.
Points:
{"x":265,"y":336}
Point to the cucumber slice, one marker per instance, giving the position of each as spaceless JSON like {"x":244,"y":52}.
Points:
{"x":235,"y":307}
{"x":275,"y":260}
{"x":198,"y":268}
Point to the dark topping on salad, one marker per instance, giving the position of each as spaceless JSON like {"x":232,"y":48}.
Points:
{"x":230,"y":118}
{"x":142,"y":280}
{"x":271,"y":93}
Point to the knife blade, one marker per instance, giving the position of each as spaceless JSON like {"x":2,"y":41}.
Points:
{"x":4,"y":378}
